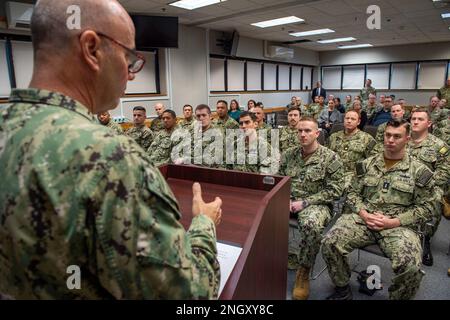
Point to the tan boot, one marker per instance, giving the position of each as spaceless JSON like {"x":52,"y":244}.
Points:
{"x":301,"y":288}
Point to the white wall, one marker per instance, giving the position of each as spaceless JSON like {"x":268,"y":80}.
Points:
{"x":420,"y":98}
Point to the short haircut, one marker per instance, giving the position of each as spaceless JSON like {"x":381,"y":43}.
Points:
{"x":248,"y":114}
{"x":399,"y":123}
{"x":294,"y":109}
{"x":260,"y":104}
{"x":171,"y":112}
{"x":202,"y":107}
{"x":338,"y":99}
{"x":421,"y":109}
{"x":355,"y":111}
{"x":222,"y":101}
{"x":311,"y":119}
{"x":187,"y":106}
{"x":139,"y":108}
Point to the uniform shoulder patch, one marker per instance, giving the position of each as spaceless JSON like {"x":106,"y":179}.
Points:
{"x":334,"y":166}
{"x":425,"y":177}
{"x":371,"y":144}
{"x":360,"y":169}
{"x":444,"y":150}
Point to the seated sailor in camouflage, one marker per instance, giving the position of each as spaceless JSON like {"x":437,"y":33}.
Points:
{"x":257,"y":155}
{"x":371,"y":107}
{"x":367,"y":90}
{"x":442,"y":130}
{"x":224,"y":120}
{"x":289,"y":134}
{"x":351,"y":144}
{"x":437,"y":114}
{"x":317,"y":180}
{"x":105,"y":119}
{"x":161,"y":147}
{"x":348,"y":102}
{"x":140,"y":132}
{"x":390,"y":198}
{"x":263,"y":128}
{"x":397,"y":113}
{"x":188,"y":120}
{"x":316,"y":109}
{"x":73,"y":193}
{"x":444,"y":93}
{"x":157,"y":123}
{"x":435,"y":154}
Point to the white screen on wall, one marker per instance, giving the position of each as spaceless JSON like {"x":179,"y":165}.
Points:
{"x":353,"y":77}
{"x":145,"y":80}
{"x":431,"y":75}
{"x":217,"y":74}
{"x":5,"y":87}
{"x":331,"y":78}
{"x":270,"y":76}
{"x":283,"y":77}
{"x":23,"y":62}
{"x":307,"y":78}
{"x":403,"y":76}
{"x":379,"y":74}
{"x":235,"y":75}
{"x":254,"y":75}
{"x":296,"y":77}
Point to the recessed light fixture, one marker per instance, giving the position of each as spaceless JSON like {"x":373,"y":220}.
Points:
{"x":194,"y":4}
{"x":311,"y":33}
{"x":356,"y":46}
{"x":445,"y":15}
{"x":277,"y":22}
{"x":336,"y":40}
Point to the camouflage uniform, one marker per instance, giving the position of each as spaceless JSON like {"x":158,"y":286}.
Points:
{"x":442,"y":130}
{"x":437,"y":115}
{"x":351,"y":149}
{"x":265,"y":128}
{"x":435,"y":154}
{"x":114,"y":126}
{"x":186,"y":124}
{"x":348,"y":106}
{"x":364,"y":92}
{"x":74,"y":193}
{"x":253,"y":163}
{"x":229,"y":123}
{"x":380,"y":133}
{"x":142,"y":135}
{"x":199,"y":151}
{"x":315,"y":110}
{"x":444,"y":93}
{"x":288,"y":138}
{"x":370,"y":110}
{"x":317,"y":180}
{"x":161,"y":147}
{"x":157,"y":125}
{"x":407,"y":192}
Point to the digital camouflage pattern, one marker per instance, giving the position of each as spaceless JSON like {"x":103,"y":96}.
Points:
{"x":371,"y":110}
{"x":315,"y":110}
{"x":438,"y":115}
{"x":115,"y":127}
{"x":351,"y":149}
{"x":407,"y":192}
{"x":444,"y":93}
{"x":142,"y":135}
{"x":319,"y":181}
{"x":186,"y":124}
{"x":161,"y":147}
{"x":288,"y":138}
{"x":364,"y":92}
{"x":207,"y":147}
{"x":442,"y":130}
{"x":229,"y":123}
{"x":157,"y":125}
{"x":74,"y":193}
{"x":380,"y":133}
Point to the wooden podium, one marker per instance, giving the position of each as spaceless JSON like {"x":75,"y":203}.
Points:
{"x":255,"y":216}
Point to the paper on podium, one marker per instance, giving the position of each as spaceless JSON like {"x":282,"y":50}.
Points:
{"x":227,"y":256}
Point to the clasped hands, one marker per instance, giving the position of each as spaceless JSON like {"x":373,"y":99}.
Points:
{"x":377,"y":221}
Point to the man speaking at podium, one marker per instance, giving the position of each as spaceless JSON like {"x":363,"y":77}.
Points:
{"x":76,"y":196}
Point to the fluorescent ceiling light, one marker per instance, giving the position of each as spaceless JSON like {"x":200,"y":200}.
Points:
{"x":356,"y":46}
{"x":445,"y":15}
{"x":194,"y":4}
{"x":277,"y":22}
{"x":311,"y":33}
{"x":336,"y":40}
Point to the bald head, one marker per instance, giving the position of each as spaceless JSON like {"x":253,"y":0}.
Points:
{"x":49,"y":23}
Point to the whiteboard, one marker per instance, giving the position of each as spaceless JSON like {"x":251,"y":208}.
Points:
{"x":432,"y":75}
{"x":331,"y":78}
{"x":283,"y":77}
{"x":23,"y":62}
{"x":295,"y":78}
{"x":235,"y":75}
{"x":353,"y":77}
{"x":253,"y":75}
{"x":403,"y":76}
{"x":307,"y":78}
{"x":5,"y":87}
{"x":270,"y":76}
{"x":217,"y":74}
{"x":145,"y":80}
{"x":379,"y":74}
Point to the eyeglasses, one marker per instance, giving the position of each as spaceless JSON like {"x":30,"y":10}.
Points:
{"x":137,"y":64}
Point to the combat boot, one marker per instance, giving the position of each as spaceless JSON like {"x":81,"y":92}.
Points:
{"x":301,"y":288}
{"x":341,"y":293}
{"x":427,"y":257}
